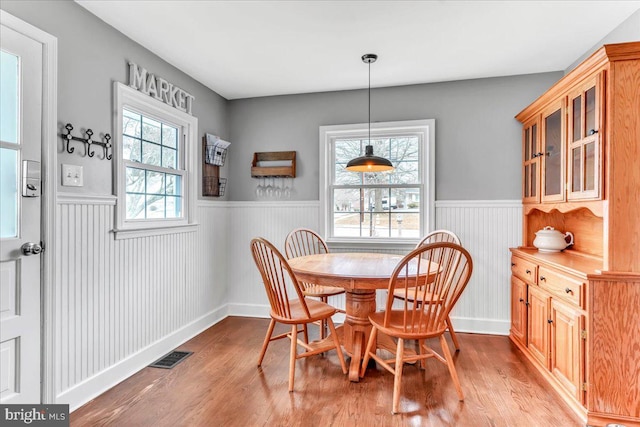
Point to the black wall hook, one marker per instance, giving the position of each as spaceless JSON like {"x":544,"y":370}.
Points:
{"x":106,"y":146}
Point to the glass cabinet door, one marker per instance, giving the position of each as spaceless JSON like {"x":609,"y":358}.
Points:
{"x":531,"y":162}
{"x":553,"y":141}
{"x":584,"y":141}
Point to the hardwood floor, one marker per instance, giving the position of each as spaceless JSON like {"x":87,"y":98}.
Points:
{"x":220,"y":385}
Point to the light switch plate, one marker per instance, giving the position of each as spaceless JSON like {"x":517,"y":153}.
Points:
{"x":72,"y":176}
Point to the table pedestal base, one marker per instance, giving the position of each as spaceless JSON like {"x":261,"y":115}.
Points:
{"x":359,"y":304}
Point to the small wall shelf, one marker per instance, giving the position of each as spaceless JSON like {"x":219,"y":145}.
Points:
{"x":277,"y":170}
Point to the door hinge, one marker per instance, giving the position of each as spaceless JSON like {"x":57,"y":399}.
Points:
{"x":583,"y":334}
{"x":584,"y":387}
{"x":42,"y":246}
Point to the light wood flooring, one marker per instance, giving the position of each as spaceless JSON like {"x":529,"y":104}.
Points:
{"x":220,"y":385}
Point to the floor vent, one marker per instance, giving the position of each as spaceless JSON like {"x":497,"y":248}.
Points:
{"x":170,"y":360}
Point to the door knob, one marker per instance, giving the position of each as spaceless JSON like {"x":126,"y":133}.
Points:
{"x":31,"y":248}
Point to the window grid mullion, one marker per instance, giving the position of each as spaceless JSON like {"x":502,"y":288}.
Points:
{"x":160,"y":169}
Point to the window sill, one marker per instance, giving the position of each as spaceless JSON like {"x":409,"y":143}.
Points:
{"x":134,"y":233}
{"x":374,"y":244}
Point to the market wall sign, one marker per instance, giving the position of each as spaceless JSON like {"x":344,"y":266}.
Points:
{"x":149,"y":84}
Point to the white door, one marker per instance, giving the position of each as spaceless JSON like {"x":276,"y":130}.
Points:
{"x":20,"y":141}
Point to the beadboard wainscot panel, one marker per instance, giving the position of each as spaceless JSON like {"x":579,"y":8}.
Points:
{"x":273,"y":221}
{"x":487,"y":229}
{"x":121,"y":304}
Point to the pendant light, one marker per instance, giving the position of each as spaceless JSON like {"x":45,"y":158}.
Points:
{"x":369,"y":162}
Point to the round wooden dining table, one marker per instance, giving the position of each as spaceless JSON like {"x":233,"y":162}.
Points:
{"x":360,"y":274}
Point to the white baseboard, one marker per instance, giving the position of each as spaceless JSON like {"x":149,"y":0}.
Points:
{"x":481,"y":326}
{"x":92,"y":387}
{"x":461,"y":324}
{"x":249,"y":310}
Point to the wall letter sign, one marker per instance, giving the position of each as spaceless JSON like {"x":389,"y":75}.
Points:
{"x":149,"y":84}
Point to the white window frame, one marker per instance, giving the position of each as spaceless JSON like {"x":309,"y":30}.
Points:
{"x":425,"y":130}
{"x":125,"y":96}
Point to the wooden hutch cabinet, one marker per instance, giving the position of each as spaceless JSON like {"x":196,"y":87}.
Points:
{"x":575,"y":314}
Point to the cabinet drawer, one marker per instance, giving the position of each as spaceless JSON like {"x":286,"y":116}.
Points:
{"x":525,"y":270}
{"x":568,"y":288}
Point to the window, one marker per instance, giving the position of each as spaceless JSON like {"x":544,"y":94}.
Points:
{"x":155,"y":154}
{"x":384,"y":207}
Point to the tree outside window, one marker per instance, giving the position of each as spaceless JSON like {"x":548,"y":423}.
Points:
{"x":382,"y":204}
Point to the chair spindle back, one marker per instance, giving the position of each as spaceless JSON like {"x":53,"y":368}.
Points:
{"x":446,"y":269}
{"x":437,"y":236}
{"x":302,"y":242}
{"x":276,"y":273}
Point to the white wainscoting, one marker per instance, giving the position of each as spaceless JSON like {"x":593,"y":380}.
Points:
{"x":120,"y":304}
{"x":273,"y":221}
{"x":487,"y":229}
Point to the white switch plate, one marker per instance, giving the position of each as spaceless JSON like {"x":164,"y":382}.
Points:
{"x":72,"y":176}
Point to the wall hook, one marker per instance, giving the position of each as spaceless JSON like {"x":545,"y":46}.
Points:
{"x":106,"y":146}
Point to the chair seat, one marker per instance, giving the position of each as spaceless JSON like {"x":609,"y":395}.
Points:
{"x":317,"y":309}
{"x":413,"y":294}
{"x":321,"y":291}
{"x":396,"y":326}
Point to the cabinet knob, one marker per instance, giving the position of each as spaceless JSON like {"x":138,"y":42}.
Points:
{"x":521,"y":300}
{"x":513,"y":264}
{"x":568,"y":290}
{"x":526,"y":303}
{"x":549,"y":321}
{"x":544,"y":279}
{"x":528,"y":271}
{"x":593,"y":132}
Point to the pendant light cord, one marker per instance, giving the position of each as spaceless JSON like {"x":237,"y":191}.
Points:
{"x":369,"y":103}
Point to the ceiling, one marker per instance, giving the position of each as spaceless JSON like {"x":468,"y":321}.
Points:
{"x":243,"y":49}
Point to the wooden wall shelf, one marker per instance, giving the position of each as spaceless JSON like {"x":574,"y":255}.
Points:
{"x":274,"y":171}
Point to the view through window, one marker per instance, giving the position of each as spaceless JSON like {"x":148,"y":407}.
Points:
{"x":151,"y":153}
{"x":382,"y":204}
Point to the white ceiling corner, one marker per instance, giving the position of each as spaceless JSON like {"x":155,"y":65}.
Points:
{"x":243,"y":49}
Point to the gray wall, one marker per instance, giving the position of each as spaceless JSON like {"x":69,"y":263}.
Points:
{"x":478,"y":140}
{"x":91,"y":56}
{"x":628,"y":31}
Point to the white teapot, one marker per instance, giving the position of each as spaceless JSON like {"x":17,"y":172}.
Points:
{"x":550,"y":240}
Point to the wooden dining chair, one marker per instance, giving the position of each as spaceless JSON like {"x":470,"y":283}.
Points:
{"x":450,"y":268}
{"x":290,"y":307}
{"x":302,"y":242}
{"x":433,"y":237}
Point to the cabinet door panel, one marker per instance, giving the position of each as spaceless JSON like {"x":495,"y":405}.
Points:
{"x":538,"y":326}
{"x":567,"y":348}
{"x":553,"y":141}
{"x":531,"y":154}
{"x":519,"y":309}
{"x":584,"y":148}
{"x":589,"y":161}
{"x":576,"y":105}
